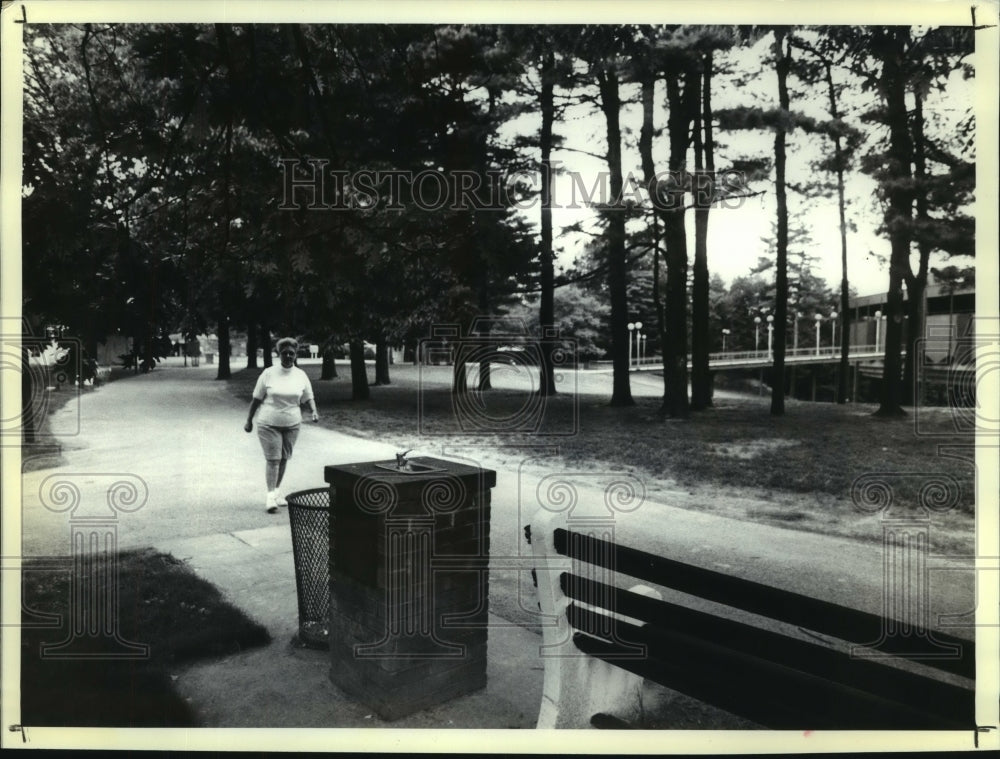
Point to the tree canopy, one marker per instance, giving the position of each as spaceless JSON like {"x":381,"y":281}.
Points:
{"x":366,"y":182}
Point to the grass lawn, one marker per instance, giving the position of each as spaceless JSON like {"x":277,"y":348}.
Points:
{"x":801,"y":466}
{"x":161,"y":603}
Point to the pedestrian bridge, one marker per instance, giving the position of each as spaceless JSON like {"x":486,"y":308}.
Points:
{"x":793,"y":356}
{"x":866,"y":358}
{"x":764,"y":358}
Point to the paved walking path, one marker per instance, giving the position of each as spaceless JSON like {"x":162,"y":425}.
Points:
{"x":180,"y":432}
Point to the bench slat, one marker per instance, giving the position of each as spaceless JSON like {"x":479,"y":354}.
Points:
{"x":672,"y":628}
{"x":851,"y":625}
{"x":764,"y":691}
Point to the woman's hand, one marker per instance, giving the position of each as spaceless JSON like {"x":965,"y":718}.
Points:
{"x":248,"y":427}
{"x":315,"y":416}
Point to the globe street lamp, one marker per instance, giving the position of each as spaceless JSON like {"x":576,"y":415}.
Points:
{"x":795,"y":344}
{"x":642,"y":352}
{"x":819,"y":318}
{"x":878,"y":327}
{"x":724,"y":333}
{"x":770,"y":333}
{"x":631,"y":327}
{"x":638,"y":333}
{"x":756,"y":334}
{"x":833,"y":330}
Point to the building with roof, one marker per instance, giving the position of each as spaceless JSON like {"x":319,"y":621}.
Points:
{"x":950,"y":313}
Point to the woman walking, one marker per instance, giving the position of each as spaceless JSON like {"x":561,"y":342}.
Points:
{"x":279,"y":394}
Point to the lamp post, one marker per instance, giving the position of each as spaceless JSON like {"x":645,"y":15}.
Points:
{"x":833,"y":331}
{"x":756,"y":334}
{"x":795,"y":344}
{"x":642,"y":352}
{"x":631,"y":328}
{"x":770,"y":334}
{"x":638,"y":334}
{"x":819,"y":318}
{"x":724,"y":333}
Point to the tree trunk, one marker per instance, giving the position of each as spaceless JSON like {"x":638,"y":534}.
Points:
{"x":621,"y":393}
{"x":359,"y":371}
{"x":682,"y":104}
{"x":224,"y":372}
{"x":546,"y":304}
{"x":149,"y":343}
{"x":251,"y":346}
{"x":916,"y":286}
{"x":382,"y":362}
{"x":223,"y":324}
{"x":483,"y":382}
{"x":459,"y":374}
{"x":265,"y":343}
{"x":28,"y":421}
{"x":915,"y":319}
{"x":92,"y":345}
{"x":783,"y":62}
{"x":149,"y":360}
{"x":845,"y":294}
{"x":844,"y":369}
{"x":329,"y":367}
{"x":701,"y":378}
{"x":136,"y":346}
{"x":897,"y":217}
{"x":891,"y":397}
{"x":649,"y":177}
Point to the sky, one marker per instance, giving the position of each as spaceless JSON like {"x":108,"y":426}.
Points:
{"x":736,"y":237}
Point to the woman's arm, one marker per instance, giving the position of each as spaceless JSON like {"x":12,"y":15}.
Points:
{"x":307,"y":391}
{"x":254,"y":405}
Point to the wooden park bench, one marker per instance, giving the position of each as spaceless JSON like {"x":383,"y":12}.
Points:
{"x":794,"y":664}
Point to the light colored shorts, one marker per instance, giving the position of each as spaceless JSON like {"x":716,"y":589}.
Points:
{"x":277,"y":442}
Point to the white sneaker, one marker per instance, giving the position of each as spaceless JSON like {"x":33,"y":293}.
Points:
{"x":280,"y":499}
{"x":271,"y":503}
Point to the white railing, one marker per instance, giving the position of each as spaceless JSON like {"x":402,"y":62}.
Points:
{"x":825,"y":351}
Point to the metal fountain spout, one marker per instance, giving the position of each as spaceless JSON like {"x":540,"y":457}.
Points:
{"x":404,"y":466}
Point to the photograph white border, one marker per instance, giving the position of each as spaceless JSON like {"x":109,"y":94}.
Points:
{"x":501,"y":11}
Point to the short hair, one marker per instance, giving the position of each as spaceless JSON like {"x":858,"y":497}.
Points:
{"x":287,"y":341}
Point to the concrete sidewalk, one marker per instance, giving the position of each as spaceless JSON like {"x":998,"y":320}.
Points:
{"x":288,"y":685}
{"x":179,"y":435}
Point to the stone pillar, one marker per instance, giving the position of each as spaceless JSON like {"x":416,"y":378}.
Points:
{"x":409,"y":586}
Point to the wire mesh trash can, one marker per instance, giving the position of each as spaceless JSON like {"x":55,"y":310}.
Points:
{"x":309,"y":517}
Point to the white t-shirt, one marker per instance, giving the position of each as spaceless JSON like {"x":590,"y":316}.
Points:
{"x":282,"y":392}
